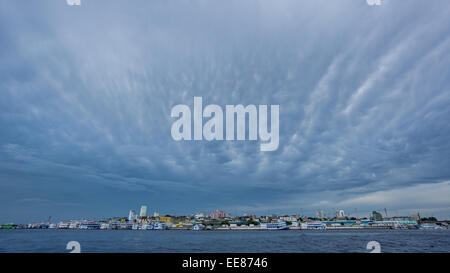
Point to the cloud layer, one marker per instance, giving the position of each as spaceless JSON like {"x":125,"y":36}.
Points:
{"x":364,"y":95}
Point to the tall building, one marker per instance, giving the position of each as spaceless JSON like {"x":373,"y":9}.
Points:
{"x":341,"y":213}
{"x":377,"y":216}
{"x":320,"y":214}
{"x":218,"y":214}
{"x":143,"y":212}
{"x":132,"y":215}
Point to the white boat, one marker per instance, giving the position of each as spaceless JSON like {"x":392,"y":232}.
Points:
{"x":159,"y":226}
{"x":430,"y":226}
{"x":197,"y":227}
{"x":280,"y":225}
{"x":146,"y":227}
{"x":63,"y":225}
{"x":74,"y":225}
{"x":89,"y":225}
{"x":316,"y":225}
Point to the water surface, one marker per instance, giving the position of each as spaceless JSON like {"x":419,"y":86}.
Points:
{"x":224,"y":241}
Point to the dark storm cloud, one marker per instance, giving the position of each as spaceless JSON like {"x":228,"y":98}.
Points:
{"x":87,"y":92}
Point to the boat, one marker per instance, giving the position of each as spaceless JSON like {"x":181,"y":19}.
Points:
{"x":105,"y":226}
{"x":74,"y":225}
{"x":280,"y":225}
{"x":63,"y":225}
{"x":317,"y":225}
{"x":197,"y":227}
{"x":159,"y":226}
{"x":89,"y":225}
{"x":147,"y":227}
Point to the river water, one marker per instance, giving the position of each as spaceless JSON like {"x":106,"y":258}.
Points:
{"x":170,"y":241}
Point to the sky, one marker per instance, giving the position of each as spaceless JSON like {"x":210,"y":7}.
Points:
{"x":87,"y":92}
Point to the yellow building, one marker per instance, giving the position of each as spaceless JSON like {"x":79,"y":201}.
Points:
{"x":165,"y":219}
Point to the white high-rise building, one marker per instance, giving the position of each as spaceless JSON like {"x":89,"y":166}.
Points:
{"x":341,"y":213}
{"x":132,"y":215}
{"x":143,"y":212}
{"x":320,"y":214}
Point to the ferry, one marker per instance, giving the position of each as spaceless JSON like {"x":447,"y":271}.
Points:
{"x":74,"y":225}
{"x":89,"y":225}
{"x":146,"y":227}
{"x":105,"y":226}
{"x":316,"y":225}
{"x":281,"y":225}
{"x":63,"y":225}
{"x":159,"y":226}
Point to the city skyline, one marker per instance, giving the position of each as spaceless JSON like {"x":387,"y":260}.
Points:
{"x":86,"y":97}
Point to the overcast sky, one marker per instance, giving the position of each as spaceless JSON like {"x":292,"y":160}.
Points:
{"x":86,"y":95}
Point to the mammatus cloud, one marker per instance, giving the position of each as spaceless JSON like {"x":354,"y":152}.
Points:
{"x":73,"y":2}
{"x":374,"y":2}
{"x":363,"y":93}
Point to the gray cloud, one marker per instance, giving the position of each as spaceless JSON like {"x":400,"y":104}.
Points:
{"x":86,"y":97}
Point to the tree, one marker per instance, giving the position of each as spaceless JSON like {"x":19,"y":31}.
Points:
{"x":429,"y":219}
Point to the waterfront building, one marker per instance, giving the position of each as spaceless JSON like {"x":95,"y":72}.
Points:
{"x":376,"y":216}
{"x":165,"y":219}
{"x":199,"y":216}
{"x":132,"y":216}
{"x":341,"y":213}
{"x":218,"y":214}
{"x":155,"y":214}
{"x":63,"y":225}
{"x":289,"y":218}
{"x":143,"y":212}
